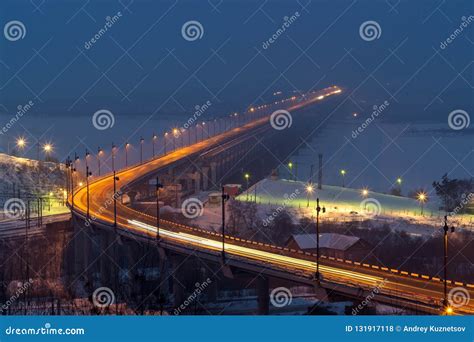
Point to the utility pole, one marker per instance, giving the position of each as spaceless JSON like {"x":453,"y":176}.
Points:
{"x":115,"y":199}
{"x":99,"y":152}
{"x":224,"y":198}
{"x":318,"y":210}
{"x":158,"y":186}
{"x":445,"y":268}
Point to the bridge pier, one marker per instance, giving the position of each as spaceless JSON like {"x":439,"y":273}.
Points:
{"x":263,"y":296}
{"x":205,"y":178}
{"x":214,"y":174}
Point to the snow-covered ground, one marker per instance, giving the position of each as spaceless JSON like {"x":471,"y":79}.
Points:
{"x":347,"y":204}
{"x":21,"y":174}
{"x":382,"y":152}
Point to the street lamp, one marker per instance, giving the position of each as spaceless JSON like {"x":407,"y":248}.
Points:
{"x":175,"y":136}
{"x":141,"y":149}
{"x":164,"y":142}
{"x":224,"y":198}
{"x":422,"y":198}
{"x":247,"y":176}
{"x":364,"y":193}
{"x":318,"y":210}
{"x":126,"y":153}
{"x":157,"y":189}
{"x":343,"y":173}
{"x":21,"y":143}
{"x":309,"y":191}
{"x":113,"y":156}
{"x":99,"y":153}
{"x":88,"y":174}
{"x":153,"y":144}
{"x":446,"y":229}
{"x":115,"y":178}
{"x":290,"y":166}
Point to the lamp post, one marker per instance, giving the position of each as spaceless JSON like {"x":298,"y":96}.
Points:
{"x":158,"y":186}
{"x":365,"y":193}
{"x":422,"y":198}
{"x":175,"y":136}
{"x":343,"y":174}
{"x":290,"y":166}
{"x":113,"y":156}
{"x":115,"y":178}
{"x":20,"y":143}
{"x":164,"y":142}
{"x":99,"y":153}
{"x":318,"y":210}
{"x":224,"y":198}
{"x":309,"y":191}
{"x":88,"y":174}
{"x":126,"y":153}
{"x":153,"y":144}
{"x":247,"y":176}
{"x":141,"y":149}
{"x":446,"y":229}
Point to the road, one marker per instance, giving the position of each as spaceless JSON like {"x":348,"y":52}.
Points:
{"x":393,"y":283}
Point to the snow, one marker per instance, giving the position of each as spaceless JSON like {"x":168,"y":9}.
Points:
{"x":347,"y":204}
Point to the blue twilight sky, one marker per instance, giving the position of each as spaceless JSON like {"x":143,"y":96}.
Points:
{"x":143,"y":66}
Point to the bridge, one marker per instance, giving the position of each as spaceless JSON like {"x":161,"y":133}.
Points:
{"x":107,"y":202}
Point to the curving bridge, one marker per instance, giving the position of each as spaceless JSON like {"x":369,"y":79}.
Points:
{"x":346,"y":277}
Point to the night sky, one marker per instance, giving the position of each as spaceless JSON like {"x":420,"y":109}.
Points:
{"x":142,"y":66}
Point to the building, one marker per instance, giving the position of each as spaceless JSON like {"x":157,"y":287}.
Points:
{"x":332,"y":244}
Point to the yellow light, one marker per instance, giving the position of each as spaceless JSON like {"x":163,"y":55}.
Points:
{"x":449,"y":310}
{"x":247,"y":176}
{"x":21,"y":142}
{"x":48,"y":147}
{"x":252,"y":109}
{"x":343,"y":172}
{"x":81,"y":184}
{"x":422,"y":197}
{"x":175,"y":131}
{"x":50,"y":194}
{"x":290,"y":165}
{"x":309,"y":188}
{"x":365,"y":192}
{"x":399,"y":180}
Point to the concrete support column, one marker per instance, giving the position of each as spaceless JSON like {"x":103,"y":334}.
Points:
{"x":132,"y":195}
{"x":263,"y":297}
{"x":197,"y":182}
{"x":205,"y":178}
{"x":214,"y":173}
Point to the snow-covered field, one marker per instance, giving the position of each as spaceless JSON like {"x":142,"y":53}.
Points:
{"x":348,"y":204}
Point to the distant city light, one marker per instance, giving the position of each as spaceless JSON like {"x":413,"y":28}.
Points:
{"x":309,"y":188}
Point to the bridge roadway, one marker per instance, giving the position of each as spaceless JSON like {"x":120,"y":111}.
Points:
{"x":414,"y":291}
